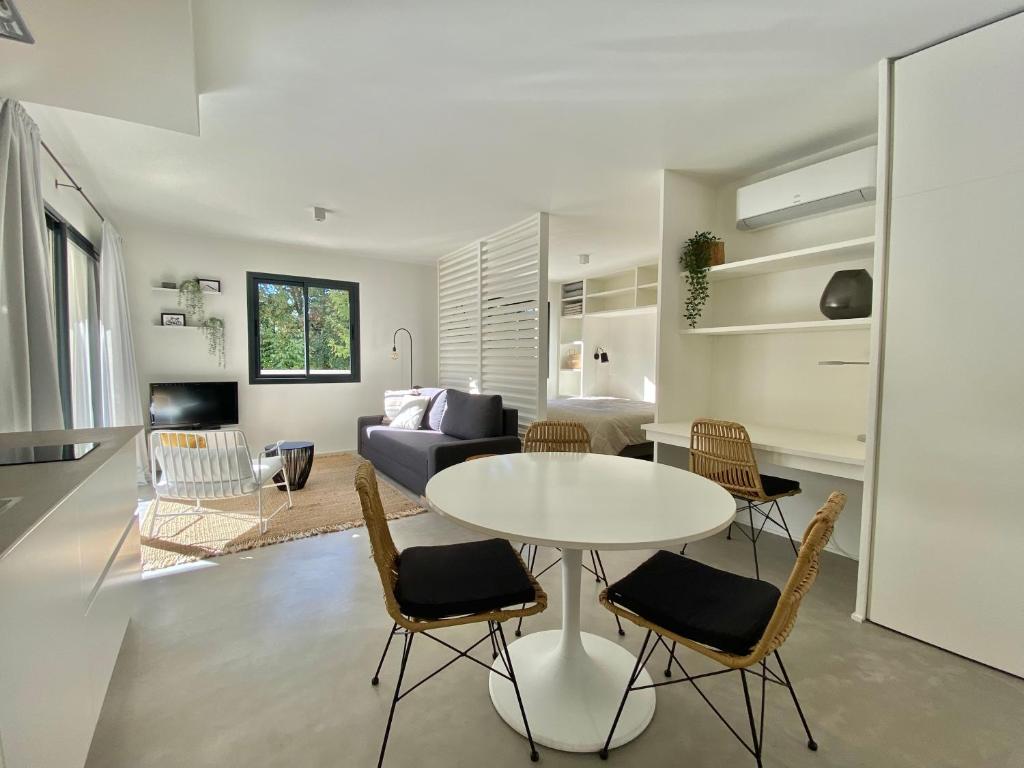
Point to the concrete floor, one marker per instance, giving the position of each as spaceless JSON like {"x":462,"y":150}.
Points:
{"x":264,"y":659}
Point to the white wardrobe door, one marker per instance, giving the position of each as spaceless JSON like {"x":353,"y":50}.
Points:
{"x":948,"y":553}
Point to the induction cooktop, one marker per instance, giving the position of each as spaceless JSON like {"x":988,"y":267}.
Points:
{"x":45,"y":454}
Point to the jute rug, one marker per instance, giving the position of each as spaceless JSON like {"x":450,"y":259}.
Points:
{"x":328,"y":503}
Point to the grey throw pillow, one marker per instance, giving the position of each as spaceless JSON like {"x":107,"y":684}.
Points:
{"x":471,"y":417}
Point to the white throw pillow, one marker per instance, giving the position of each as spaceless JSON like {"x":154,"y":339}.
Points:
{"x":410,"y":415}
{"x":393,"y":399}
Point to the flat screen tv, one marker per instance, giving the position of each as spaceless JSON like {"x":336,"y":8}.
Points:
{"x":193,"y":405}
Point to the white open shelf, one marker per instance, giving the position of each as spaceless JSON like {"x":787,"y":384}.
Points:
{"x":160,"y":289}
{"x":830,"y":253}
{"x":613,"y":292}
{"x":179,"y":327}
{"x":806,"y":326}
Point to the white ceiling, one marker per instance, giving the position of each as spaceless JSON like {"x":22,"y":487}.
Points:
{"x":426,"y":125}
{"x":123,"y":58}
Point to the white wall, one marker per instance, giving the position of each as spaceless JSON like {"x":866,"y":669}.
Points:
{"x":629,"y":341}
{"x":391,"y":294}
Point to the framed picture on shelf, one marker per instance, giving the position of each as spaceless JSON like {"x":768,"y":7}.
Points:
{"x":173,"y":318}
{"x":207,"y":285}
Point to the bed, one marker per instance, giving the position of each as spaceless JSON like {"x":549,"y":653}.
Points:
{"x":613,"y":423}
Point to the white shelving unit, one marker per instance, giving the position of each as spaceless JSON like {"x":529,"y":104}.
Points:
{"x":831,"y":253}
{"x":806,"y":326}
{"x":626,"y":291}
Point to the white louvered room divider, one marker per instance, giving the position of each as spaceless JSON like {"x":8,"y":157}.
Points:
{"x":492,"y":317}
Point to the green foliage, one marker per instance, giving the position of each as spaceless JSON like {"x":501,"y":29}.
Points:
{"x":282,"y":314}
{"x":695,"y":258}
{"x":191,"y":298}
{"x":213,"y":329}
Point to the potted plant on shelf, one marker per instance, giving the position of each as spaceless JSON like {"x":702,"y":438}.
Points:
{"x":697,"y":256}
{"x":190,"y":296}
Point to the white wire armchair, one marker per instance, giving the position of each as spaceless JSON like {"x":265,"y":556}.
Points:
{"x":206,"y":466}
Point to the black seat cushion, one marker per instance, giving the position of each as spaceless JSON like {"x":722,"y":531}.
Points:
{"x":459,"y":579}
{"x":698,"y":602}
{"x":778,"y":486}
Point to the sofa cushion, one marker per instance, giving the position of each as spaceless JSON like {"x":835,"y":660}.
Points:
{"x":412,"y":413}
{"x":408,"y":447}
{"x":435,"y":411}
{"x":471,"y":417}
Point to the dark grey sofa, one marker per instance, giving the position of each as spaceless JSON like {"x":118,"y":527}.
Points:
{"x":412,"y":457}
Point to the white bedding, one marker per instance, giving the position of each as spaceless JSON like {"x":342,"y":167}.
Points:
{"x":613,"y":422}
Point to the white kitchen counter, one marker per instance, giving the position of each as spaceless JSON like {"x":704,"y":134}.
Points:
{"x":69,"y":571}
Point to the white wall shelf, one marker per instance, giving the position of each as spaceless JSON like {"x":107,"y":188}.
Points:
{"x":806,"y":326}
{"x":830,"y":253}
{"x":624,"y":312}
{"x":161,"y":289}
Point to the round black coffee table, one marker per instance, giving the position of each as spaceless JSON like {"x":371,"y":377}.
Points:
{"x":297,"y":457}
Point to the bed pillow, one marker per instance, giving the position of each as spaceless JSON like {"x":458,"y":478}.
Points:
{"x":410,"y":415}
{"x":471,"y":417}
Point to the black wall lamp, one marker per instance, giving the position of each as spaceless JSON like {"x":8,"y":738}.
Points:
{"x":394,"y":352}
{"x":600,"y":354}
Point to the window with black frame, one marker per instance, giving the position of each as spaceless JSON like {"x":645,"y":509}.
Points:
{"x":302,"y":329}
{"x":75,"y":264}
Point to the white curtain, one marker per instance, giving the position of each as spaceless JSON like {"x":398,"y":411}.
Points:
{"x":120,"y":401}
{"x":30,"y":395}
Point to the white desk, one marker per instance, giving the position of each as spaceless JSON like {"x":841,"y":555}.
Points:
{"x":822,"y":452}
{"x":572,"y":681}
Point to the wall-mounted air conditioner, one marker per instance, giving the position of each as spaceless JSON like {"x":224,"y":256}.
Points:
{"x":827,"y":186}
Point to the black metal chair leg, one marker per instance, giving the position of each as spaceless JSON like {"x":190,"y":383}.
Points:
{"x":376,"y":675}
{"x":494,"y":643}
{"x":683,"y":550}
{"x":534,"y":755}
{"x":811,"y":743}
{"x":394,"y":701}
{"x":593,"y":561}
{"x":782,"y":519}
{"x":750,"y":717}
{"x":671,"y":658}
{"x":728,"y":534}
{"x":753,"y":540}
{"x":629,"y":686}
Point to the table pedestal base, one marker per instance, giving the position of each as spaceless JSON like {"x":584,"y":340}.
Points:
{"x":571,"y":693}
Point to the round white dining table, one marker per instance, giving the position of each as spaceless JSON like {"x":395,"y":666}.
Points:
{"x":572,"y":681}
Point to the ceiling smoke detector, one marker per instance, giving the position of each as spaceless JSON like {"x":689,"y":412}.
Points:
{"x":12,"y":26}
{"x":319,"y":213}
{"x":584,"y":258}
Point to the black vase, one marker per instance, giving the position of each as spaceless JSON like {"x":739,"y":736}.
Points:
{"x":847,"y":295}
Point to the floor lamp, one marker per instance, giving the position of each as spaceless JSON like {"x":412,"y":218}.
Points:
{"x":394,"y":352}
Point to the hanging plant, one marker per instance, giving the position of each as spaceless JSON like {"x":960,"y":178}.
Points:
{"x":213,"y":329}
{"x":190,"y":296}
{"x":696,"y":257}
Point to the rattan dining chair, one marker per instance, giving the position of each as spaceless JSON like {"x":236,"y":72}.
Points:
{"x":736,"y":621}
{"x":560,"y":437}
{"x":721,"y":452}
{"x":436,"y":587}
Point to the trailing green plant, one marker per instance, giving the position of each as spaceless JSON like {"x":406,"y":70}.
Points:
{"x":695,"y":258}
{"x":190,"y":296}
{"x":213,"y":329}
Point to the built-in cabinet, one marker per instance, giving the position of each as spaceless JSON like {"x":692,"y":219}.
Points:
{"x":946,"y":563}
{"x":69,"y":573}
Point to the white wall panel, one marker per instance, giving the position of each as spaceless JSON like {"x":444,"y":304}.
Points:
{"x":492,"y":317}
{"x":946,"y":564}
